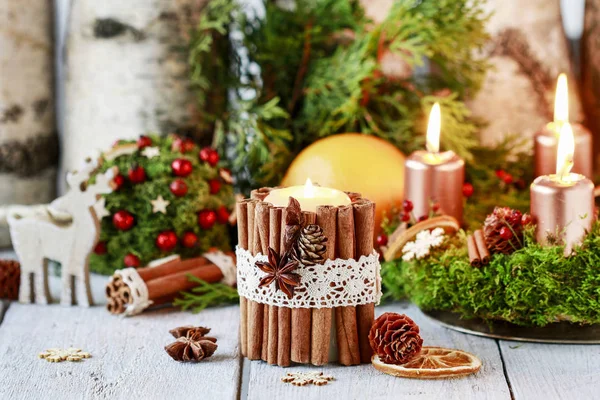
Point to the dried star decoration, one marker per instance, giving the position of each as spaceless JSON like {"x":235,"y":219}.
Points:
{"x":188,"y":330}
{"x":281,"y":271}
{"x":306,"y":378}
{"x":59,"y":355}
{"x":424,"y":242}
{"x":193,"y":347}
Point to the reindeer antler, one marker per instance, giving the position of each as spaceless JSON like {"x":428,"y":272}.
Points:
{"x":76,"y":178}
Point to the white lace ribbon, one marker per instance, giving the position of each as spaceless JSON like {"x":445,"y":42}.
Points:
{"x":139,"y":291}
{"x":336,"y":283}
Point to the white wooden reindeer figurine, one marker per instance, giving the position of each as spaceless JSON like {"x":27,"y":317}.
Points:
{"x":47,"y":236}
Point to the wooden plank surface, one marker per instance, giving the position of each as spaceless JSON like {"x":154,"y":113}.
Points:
{"x":364,"y":382}
{"x":128,"y":356}
{"x":552,"y":371}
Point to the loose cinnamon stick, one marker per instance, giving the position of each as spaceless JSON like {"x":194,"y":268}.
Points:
{"x":284,"y":314}
{"x":321,"y":317}
{"x":273,"y":311}
{"x":301,"y":318}
{"x":345,"y":317}
{"x":175,"y":283}
{"x":474,"y":258}
{"x":171,"y":267}
{"x":482,"y":249}
{"x":242,"y":225}
{"x":364,"y":225}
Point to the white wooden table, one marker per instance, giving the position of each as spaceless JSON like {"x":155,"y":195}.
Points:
{"x":128,"y":361}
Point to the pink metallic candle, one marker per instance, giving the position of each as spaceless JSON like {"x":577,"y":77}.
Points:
{"x":433,"y":177}
{"x":562,"y":204}
{"x":546,"y":140}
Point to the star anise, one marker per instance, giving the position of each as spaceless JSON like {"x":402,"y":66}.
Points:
{"x":188,"y":330}
{"x":281,"y":271}
{"x":193,"y":347}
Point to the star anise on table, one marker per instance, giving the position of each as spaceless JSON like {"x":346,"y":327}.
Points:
{"x":279,"y":269}
{"x":192,"y":347}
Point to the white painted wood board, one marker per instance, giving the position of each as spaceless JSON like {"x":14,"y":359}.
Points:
{"x":552,"y":371}
{"x":128,"y":359}
{"x":364,"y":382}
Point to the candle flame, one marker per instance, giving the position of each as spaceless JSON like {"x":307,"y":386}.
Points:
{"x":309,"y":189}
{"x":566,"y":149}
{"x":561,"y":100}
{"x":433,"y":129}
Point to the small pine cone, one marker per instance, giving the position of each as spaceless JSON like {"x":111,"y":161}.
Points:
{"x":503,"y":217}
{"x":10,"y":279}
{"x":395,"y":338}
{"x":310,"y":247}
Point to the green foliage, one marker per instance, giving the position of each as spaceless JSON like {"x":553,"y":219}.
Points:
{"x":533,"y":286}
{"x":206,"y":295}
{"x":315,"y":71}
{"x":181,"y":216}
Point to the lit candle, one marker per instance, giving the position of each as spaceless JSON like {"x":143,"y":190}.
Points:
{"x":562,"y":204}
{"x":546,"y":140}
{"x":432,"y":177}
{"x":309,"y":196}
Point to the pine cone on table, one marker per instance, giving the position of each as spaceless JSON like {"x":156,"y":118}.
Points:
{"x":10,"y":279}
{"x":503,"y":230}
{"x":310,"y":247}
{"x":395,"y":338}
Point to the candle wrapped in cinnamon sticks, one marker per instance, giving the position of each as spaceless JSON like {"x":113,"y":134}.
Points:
{"x":159,"y":284}
{"x":281,"y":334}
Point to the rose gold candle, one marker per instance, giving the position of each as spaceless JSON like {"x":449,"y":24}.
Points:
{"x":562,"y":204}
{"x":433,"y":177}
{"x":546,"y":140}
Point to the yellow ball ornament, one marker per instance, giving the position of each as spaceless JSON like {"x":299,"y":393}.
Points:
{"x":353,"y":162}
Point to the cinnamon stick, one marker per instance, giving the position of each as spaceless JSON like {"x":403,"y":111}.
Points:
{"x":284,"y":314}
{"x":345,"y":317}
{"x":242,"y":225}
{"x":321,"y":317}
{"x":482,"y":249}
{"x":301,"y":318}
{"x":263,"y":212}
{"x":175,"y":283}
{"x":273,"y":311}
{"x":171,"y":267}
{"x":354,"y":196}
{"x":474,"y":258}
{"x":364,"y":226}
{"x":254,"y":316}
{"x":261,"y":193}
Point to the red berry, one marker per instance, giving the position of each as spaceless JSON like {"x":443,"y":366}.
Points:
{"x":144,"y":141}
{"x":189,"y":239}
{"x":137,"y":174}
{"x":123,"y":220}
{"x":423,"y":218}
{"x":500,"y":173}
{"x":223,"y":215}
{"x":118,"y":181}
{"x":468,"y":189}
{"x":526,"y":219}
{"x":209,"y":155}
{"x":435,"y":207}
{"x":166,"y":241}
{"x":405,"y":217}
{"x":214,"y":185}
{"x":506,"y":233}
{"x":382,"y":240}
{"x":182,"y":145}
{"x":407,"y":205}
{"x":207,"y":218}
{"x":131,"y":261}
{"x":515,"y":217}
{"x":178,"y":187}
{"x":181,"y":167}
{"x":508,"y":178}
{"x":100,"y":248}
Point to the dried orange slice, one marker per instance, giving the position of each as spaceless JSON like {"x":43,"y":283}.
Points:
{"x":433,"y":363}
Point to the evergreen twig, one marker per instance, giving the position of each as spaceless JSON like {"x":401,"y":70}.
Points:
{"x":205,"y":295}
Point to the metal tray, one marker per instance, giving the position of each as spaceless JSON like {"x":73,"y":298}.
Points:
{"x":560,"y":332}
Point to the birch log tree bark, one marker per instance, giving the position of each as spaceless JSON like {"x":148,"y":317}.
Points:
{"x":127,"y":73}
{"x":28,"y":140}
{"x":590,"y":70}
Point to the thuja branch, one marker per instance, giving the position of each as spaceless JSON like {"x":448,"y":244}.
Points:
{"x":206,"y":295}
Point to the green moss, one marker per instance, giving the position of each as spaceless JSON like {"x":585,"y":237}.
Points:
{"x":181,"y":216}
{"x":533,"y":286}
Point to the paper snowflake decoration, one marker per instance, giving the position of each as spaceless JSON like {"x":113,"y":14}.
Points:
{"x":424,"y":242}
{"x":306,"y":378}
{"x":59,"y":355}
{"x":151,"y":152}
